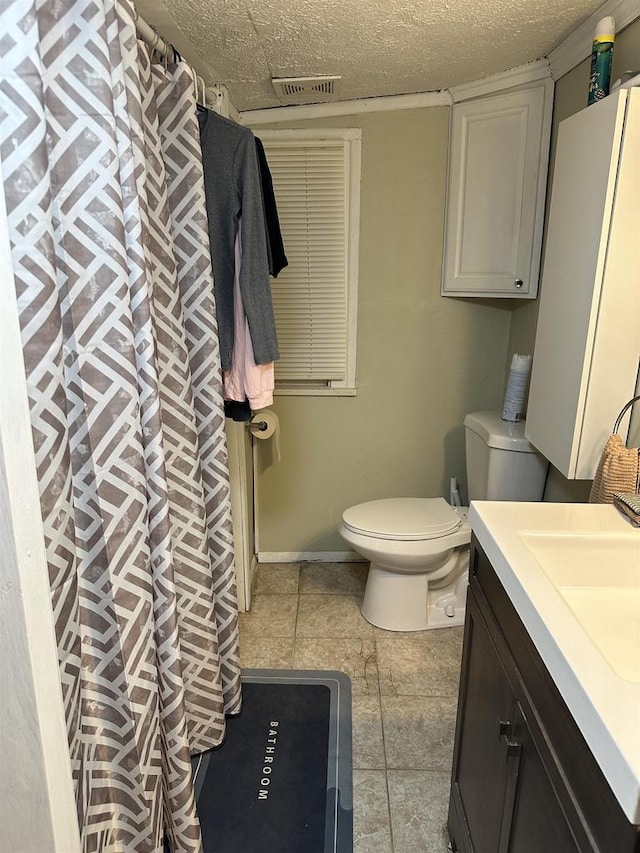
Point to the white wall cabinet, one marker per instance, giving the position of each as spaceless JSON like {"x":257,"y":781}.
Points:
{"x":496,"y":189}
{"x":587,"y":349}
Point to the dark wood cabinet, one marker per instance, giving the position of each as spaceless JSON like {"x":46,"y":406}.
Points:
{"x":534,"y":817}
{"x":524,"y":779}
{"x":481,"y":755}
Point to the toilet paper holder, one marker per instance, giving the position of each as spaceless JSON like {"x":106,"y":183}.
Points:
{"x":260,"y":426}
{"x":264,"y":426}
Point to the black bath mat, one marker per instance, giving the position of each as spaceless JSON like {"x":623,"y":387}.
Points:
{"x":281,"y":781}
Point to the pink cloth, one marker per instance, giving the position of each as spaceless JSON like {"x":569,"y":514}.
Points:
{"x":246,"y":380}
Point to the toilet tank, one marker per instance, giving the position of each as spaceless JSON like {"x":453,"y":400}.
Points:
{"x":502,"y":465}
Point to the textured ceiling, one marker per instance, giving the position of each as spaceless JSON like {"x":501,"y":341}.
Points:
{"x":379,"y":47}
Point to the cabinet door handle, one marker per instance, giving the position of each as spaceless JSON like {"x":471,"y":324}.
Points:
{"x":518,"y":283}
{"x":505,"y":732}
{"x":513,"y":747}
{"x":505,"y":728}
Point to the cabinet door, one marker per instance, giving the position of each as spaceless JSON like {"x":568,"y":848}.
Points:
{"x":481,"y":760}
{"x":495,"y":203}
{"x":588,"y":335}
{"x":534,"y":820}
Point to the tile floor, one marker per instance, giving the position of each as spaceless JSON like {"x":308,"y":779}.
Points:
{"x":307,"y":616}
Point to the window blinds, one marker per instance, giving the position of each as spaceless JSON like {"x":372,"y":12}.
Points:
{"x":310,"y":296}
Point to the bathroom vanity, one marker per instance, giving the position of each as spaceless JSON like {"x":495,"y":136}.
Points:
{"x":547,"y":744}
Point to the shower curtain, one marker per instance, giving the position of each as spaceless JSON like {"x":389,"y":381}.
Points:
{"x":100,"y":159}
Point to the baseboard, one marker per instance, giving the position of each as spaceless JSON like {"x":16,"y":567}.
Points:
{"x":309,"y":557}
{"x":253,"y":569}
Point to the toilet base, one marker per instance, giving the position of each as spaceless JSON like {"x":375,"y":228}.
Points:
{"x":397,"y":601}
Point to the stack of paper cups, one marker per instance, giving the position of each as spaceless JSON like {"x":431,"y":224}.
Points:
{"x":513,"y":408}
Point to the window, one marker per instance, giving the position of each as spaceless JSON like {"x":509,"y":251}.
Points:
{"x":316,"y":179}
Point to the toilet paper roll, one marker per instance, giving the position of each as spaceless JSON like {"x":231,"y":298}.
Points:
{"x":513,"y":407}
{"x":265,"y":425}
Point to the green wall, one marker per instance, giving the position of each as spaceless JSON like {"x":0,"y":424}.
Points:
{"x":423,"y":361}
{"x":570,"y":97}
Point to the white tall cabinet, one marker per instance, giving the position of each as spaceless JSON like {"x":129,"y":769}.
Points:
{"x":587,"y":347}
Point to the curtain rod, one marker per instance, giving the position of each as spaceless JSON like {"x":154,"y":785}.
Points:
{"x":158,"y":45}
{"x":213,"y":97}
{"x":151,"y":37}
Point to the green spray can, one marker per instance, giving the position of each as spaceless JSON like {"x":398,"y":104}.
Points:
{"x":601,"y":58}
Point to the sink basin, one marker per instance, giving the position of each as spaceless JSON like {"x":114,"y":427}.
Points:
{"x":598,"y":576}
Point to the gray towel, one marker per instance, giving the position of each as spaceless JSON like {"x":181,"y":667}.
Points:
{"x":629,"y":505}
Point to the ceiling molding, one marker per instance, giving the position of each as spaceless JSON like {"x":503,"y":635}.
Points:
{"x":352,"y":134}
{"x":304,"y":112}
{"x":523,"y":74}
{"x":577,"y":46}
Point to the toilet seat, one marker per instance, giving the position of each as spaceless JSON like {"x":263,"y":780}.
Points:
{"x":403,"y":519}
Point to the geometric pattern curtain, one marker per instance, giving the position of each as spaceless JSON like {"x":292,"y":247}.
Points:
{"x":100,"y":159}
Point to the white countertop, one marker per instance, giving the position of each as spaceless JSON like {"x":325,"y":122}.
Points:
{"x":605,"y":705}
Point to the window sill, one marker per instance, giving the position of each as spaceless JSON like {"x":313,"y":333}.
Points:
{"x":316,"y":392}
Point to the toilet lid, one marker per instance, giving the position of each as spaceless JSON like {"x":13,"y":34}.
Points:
{"x":402,"y":518}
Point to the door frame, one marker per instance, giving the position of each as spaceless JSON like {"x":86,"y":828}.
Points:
{"x":37,"y":799}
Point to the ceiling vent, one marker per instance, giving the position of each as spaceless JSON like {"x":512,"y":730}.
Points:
{"x":306,"y":88}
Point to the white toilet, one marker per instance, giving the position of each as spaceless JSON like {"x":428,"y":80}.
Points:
{"x":419,"y":547}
